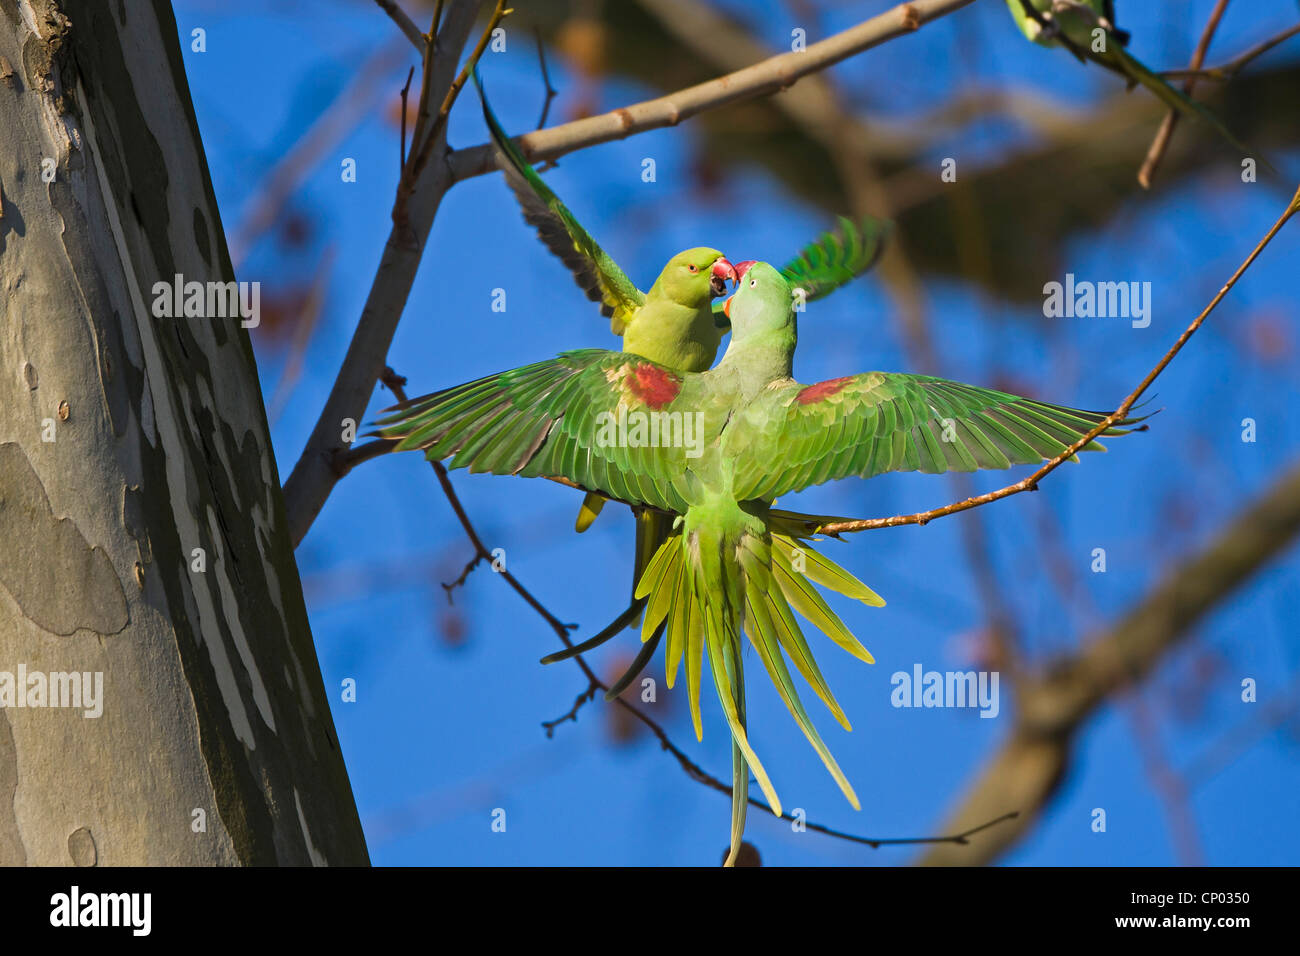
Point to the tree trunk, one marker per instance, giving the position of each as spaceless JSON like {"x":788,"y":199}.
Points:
{"x":142,"y":531}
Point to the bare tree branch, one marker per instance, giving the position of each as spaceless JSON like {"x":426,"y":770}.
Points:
{"x":772,"y":75}
{"x":1166,"y":131}
{"x":314,"y":474}
{"x":1234,"y":66}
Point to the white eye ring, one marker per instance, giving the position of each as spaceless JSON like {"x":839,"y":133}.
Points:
{"x":752,"y":283}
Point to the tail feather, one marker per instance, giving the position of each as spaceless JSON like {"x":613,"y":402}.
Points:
{"x":805,"y":599}
{"x":715,"y":582}
{"x":827,"y":573}
{"x":651,"y":587}
{"x":762,"y":634}
{"x":678,"y":621}
{"x":694,"y":661}
{"x":591,"y":505}
{"x":792,"y":641}
{"x":739,"y":767}
{"x":722,"y":643}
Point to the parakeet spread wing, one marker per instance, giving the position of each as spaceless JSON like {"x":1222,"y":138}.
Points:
{"x":610,"y":422}
{"x":596,"y":273}
{"x":835,"y":258}
{"x":831,"y":260}
{"x":867,"y":424}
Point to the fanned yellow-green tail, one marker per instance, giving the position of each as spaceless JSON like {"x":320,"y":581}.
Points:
{"x":722,"y":573}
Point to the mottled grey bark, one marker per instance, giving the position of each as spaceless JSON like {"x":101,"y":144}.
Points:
{"x":213,"y":707}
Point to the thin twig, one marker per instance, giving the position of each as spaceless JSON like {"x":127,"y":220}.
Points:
{"x":422,"y":142}
{"x":401,"y":149}
{"x":1232,"y":67}
{"x":551,"y":91}
{"x":419,"y":141}
{"x":585,"y":697}
{"x":1163,"y":135}
{"x":451,"y":586}
{"x":1030,"y":483}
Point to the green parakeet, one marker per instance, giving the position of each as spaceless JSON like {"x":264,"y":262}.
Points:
{"x":675,"y":324}
{"x":1087,"y":29}
{"x":723,"y":571}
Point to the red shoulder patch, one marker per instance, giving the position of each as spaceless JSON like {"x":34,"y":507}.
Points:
{"x":815,"y":393}
{"x":653,"y":385}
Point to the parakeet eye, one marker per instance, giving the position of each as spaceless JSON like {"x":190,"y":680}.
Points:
{"x":752,"y":283}
{"x":693,"y":268}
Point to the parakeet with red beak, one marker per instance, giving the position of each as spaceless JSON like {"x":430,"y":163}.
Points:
{"x":727,"y":568}
{"x":675,"y":324}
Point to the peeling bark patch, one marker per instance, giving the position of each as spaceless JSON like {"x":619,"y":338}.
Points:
{"x":12,"y":852}
{"x":133,"y":519}
{"x":317,"y":857}
{"x":81,"y":847}
{"x":74,"y":585}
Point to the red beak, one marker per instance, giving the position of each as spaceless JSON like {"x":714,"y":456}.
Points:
{"x":743,"y":268}
{"x":724,"y":269}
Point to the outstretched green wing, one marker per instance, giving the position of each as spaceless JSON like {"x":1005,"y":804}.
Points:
{"x":831,"y":260}
{"x":607,"y":421}
{"x":596,"y":273}
{"x":837,"y":257}
{"x":864,"y":425}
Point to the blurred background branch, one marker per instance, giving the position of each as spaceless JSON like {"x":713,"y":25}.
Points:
{"x":1054,"y":705}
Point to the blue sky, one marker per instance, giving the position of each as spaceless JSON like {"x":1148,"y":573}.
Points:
{"x":444,"y":732}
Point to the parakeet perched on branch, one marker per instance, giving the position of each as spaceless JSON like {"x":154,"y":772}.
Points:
{"x":1087,"y":29}
{"x":675,"y":324}
{"x":724,"y":570}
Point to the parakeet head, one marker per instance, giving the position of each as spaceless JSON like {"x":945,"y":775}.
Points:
{"x":762,"y":301}
{"x":695,"y":276}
